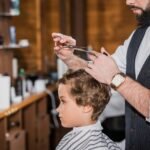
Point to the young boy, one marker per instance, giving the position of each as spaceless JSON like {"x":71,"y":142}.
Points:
{"x":82,"y":100}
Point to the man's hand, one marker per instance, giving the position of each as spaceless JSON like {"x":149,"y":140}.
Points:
{"x":103,"y":67}
{"x":66,"y":54}
{"x":61,"y":40}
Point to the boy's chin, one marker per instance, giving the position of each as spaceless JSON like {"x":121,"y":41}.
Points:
{"x":66,"y":125}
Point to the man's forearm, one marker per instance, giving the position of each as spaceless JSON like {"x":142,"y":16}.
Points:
{"x":137,"y":95}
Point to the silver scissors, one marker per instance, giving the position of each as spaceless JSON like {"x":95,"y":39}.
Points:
{"x":81,"y":49}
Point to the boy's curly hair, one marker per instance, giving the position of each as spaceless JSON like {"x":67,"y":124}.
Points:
{"x":87,"y":90}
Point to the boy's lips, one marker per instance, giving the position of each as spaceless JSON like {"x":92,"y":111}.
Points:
{"x":60,"y":117}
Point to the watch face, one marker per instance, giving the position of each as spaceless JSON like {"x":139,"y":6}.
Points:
{"x":117,"y":80}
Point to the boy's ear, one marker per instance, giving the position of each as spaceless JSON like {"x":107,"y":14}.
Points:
{"x":87,"y":108}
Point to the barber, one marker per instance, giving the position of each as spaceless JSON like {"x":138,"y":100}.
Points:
{"x":127,"y":71}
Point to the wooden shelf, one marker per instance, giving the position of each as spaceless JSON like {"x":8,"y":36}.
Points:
{"x":12,"y":46}
{"x":26,"y":102}
{"x":8,"y":14}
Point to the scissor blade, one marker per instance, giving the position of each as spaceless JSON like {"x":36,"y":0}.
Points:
{"x":85,"y":51}
{"x":76,"y":48}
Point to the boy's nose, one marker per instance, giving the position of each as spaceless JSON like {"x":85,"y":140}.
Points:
{"x":57,"y":109}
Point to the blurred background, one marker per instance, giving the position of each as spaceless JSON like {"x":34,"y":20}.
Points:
{"x":93,"y":23}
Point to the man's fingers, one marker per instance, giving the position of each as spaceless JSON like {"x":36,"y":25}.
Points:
{"x":56,"y":48}
{"x":58,"y":38}
{"x":55,"y":35}
{"x":95,"y":53}
{"x":92,"y":55}
{"x":103,"y":51}
{"x":88,"y":70}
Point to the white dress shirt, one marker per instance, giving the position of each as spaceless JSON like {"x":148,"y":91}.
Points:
{"x":143,"y":52}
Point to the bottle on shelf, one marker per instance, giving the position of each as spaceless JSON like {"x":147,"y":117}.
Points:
{"x":21,"y":83}
{"x":12,"y":31}
{"x":14,"y":7}
{"x":5,"y":82}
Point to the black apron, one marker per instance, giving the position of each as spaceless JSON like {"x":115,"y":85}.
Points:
{"x":137,"y":129}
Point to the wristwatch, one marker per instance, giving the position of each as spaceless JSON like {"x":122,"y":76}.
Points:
{"x":117,"y":80}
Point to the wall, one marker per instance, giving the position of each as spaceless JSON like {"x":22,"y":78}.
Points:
{"x":109,"y":23}
{"x":37,"y":20}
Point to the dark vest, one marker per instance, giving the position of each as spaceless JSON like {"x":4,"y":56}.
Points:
{"x":137,"y":129}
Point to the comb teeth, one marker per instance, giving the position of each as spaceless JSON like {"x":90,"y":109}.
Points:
{"x":73,"y":46}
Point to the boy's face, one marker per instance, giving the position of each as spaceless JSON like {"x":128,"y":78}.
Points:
{"x":70,"y":114}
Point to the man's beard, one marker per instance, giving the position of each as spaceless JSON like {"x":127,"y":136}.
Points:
{"x":144,"y":18}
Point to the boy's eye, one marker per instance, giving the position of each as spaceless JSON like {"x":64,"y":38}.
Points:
{"x":62,"y":101}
